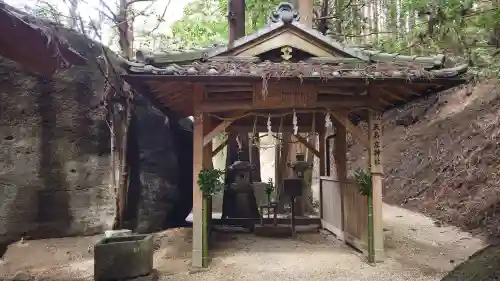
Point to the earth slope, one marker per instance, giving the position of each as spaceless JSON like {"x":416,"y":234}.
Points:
{"x":441,"y":157}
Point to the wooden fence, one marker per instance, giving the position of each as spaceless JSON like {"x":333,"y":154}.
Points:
{"x":344,"y":212}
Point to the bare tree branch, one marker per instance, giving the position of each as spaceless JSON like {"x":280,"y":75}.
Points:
{"x":112,"y":15}
{"x":162,"y":17}
{"x":135,"y":1}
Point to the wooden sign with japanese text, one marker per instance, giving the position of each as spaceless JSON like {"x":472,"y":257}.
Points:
{"x":283,"y":94}
{"x":375,"y":134}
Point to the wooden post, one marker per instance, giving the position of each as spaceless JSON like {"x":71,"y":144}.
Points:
{"x":197,"y":256}
{"x":340,"y":153}
{"x":207,"y":212}
{"x":322,"y":169}
{"x":322,"y":153}
{"x":376,"y":169}
{"x":277,"y":149}
{"x":202,"y":158}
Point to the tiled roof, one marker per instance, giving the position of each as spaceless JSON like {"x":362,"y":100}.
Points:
{"x":312,"y":68}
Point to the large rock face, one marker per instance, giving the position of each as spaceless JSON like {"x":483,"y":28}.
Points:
{"x":164,"y":168}
{"x":54,"y":157}
{"x":54,"y":167}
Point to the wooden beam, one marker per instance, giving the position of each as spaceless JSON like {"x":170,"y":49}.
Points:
{"x":342,"y":118}
{"x":220,"y":147}
{"x":334,"y":102}
{"x":382,"y":100}
{"x":263,"y":129}
{"x":303,"y":141}
{"x":219,"y":129}
{"x":244,"y":222}
{"x":390,"y":94}
{"x":211,"y":106}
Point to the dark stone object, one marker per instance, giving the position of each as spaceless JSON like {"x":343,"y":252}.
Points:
{"x":292,"y":187}
{"x":123,"y":258}
{"x":163,"y":189}
{"x":153,"y":276}
{"x":241,"y":166}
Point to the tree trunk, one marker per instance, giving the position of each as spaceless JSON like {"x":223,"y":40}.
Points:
{"x":305,"y":8}
{"x":121,"y":104}
{"x":495,"y":33}
{"x":376,"y":11}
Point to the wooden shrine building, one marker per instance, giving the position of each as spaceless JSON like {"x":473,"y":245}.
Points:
{"x":289,"y":69}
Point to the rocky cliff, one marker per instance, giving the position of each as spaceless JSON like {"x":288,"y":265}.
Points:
{"x":54,"y":156}
{"x":54,"y":167}
{"x":164,"y":170}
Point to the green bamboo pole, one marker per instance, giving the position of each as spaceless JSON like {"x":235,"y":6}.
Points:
{"x":371,"y":230}
{"x":204,"y":230}
{"x":209,"y":220}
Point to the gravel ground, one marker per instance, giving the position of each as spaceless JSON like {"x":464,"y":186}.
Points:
{"x":417,"y":250}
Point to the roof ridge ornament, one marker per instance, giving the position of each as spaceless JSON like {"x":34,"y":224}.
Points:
{"x":285,"y":12}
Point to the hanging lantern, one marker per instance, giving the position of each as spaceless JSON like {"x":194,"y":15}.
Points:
{"x":295,"y":127}
{"x":328,"y":120}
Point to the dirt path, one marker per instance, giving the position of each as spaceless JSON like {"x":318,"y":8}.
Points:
{"x":417,"y":250}
{"x":416,"y":240}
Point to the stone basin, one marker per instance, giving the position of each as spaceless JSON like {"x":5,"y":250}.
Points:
{"x":123,"y":257}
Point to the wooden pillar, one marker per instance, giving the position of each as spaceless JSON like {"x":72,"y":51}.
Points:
{"x":202,"y":159}
{"x":340,"y":155}
{"x":323,"y":155}
{"x":277,"y":150}
{"x":293,"y":146}
{"x":376,"y":169}
{"x":207,"y":164}
{"x":197,"y":255}
{"x":202,"y":211}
